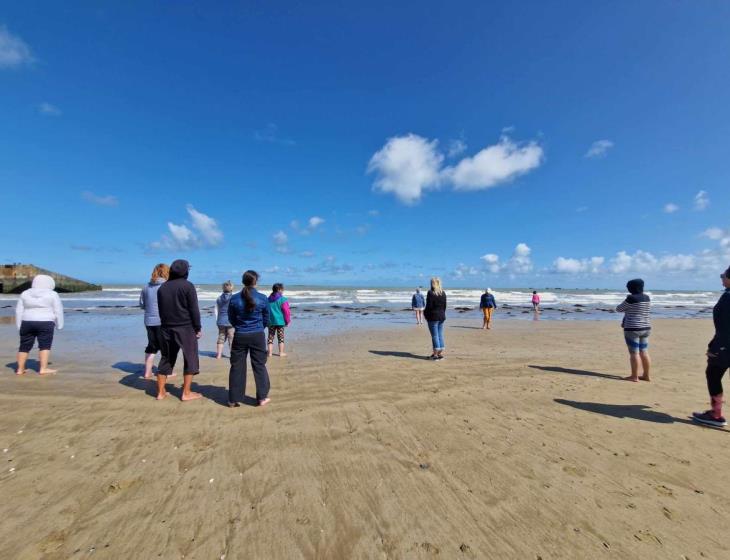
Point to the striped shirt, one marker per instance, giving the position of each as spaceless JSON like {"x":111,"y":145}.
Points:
{"x":636,"y":310}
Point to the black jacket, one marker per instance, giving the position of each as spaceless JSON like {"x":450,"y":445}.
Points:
{"x":721,"y":318}
{"x":178,"y":302}
{"x":435,"y":307}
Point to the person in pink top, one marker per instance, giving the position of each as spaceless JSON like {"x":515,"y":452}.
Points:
{"x":279,"y":317}
{"x":536,"y":301}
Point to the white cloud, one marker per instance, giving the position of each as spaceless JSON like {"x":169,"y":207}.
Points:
{"x":519,"y":263}
{"x":202,"y":233}
{"x":280,"y":238}
{"x":14,"y":51}
{"x":406,"y":166}
{"x":456,"y":148}
{"x":207,"y":227}
{"x":564,"y":265}
{"x":462,"y":271}
{"x":702,"y":201}
{"x":714,"y":233}
{"x":315,"y":222}
{"x":495,"y":164}
{"x":492,"y":262}
{"x":107,"y":200}
{"x":670,"y":208}
{"x":599,"y":149}
{"x":49,"y":110}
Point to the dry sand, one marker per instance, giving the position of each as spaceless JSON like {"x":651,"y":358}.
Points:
{"x":370,"y":451}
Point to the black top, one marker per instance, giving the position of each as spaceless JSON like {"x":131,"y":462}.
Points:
{"x":178,"y":302}
{"x":435,"y":306}
{"x":721,"y":318}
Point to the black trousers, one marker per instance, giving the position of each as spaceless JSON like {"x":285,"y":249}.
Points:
{"x":243,"y":345}
{"x":175,"y":339}
{"x":716,"y":368}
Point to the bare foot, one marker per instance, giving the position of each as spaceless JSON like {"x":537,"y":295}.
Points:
{"x":20,"y":372}
{"x":150,"y":376}
{"x":47,"y":372}
{"x":264,"y":402}
{"x":631,"y":378}
{"x":217,"y":357}
{"x":283,"y":355}
{"x":645,"y":378}
{"x":161,"y":396}
{"x":191,"y":396}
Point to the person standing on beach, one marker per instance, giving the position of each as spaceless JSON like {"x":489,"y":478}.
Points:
{"x":177,"y":301}
{"x":248,"y":312}
{"x":279,"y":318}
{"x":435,"y":314}
{"x":152,"y":322}
{"x":39,"y":310}
{"x":225,"y":329}
{"x":718,"y":357}
{"x":637,"y":327}
{"x":418,"y":303}
{"x":487,"y":304}
{"x":535,"y":301}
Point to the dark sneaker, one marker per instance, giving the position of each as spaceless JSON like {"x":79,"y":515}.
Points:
{"x":708,"y":419}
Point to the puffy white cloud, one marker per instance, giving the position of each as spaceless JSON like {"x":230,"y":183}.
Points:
{"x":492,"y":262}
{"x":702,"y":201}
{"x":599,"y":149}
{"x":409,"y":165}
{"x":49,"y":110}
{"x":591,"y":265}
{"x":495,"y":164}
{"x":406,"y":166}
{"x":315,"y":222}
{"x":645,"y":262}
{"x":519,"y":263}
{"x":714,"y":233}
{"x":106,"y":200}
{"x":670,"y":208}
{"x":203,"y":232}
{"x":14,"y":51}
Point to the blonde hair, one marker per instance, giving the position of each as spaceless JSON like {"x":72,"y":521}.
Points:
{"x":436,"y":286}
{"x":228,"y":286}
{"x":160,"y":271}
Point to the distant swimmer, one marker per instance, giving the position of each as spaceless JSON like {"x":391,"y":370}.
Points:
{"x":718,"y":357}
{"x":38,"y":312}
{"x":637,"y":327}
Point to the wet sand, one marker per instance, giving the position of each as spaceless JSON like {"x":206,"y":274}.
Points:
{"x":524,"y":443}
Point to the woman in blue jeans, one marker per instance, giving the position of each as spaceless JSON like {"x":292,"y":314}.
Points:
{"x":435,"y":315}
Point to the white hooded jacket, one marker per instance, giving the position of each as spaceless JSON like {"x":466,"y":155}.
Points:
{"x":40,"y":303}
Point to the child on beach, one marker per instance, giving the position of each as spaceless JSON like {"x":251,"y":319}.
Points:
{"x":637,"y":327}
{"x":487,"y":304}
{"x":279,"y":317}
{"x":225,"y":329}
{"x":535,"y":301}
{"x":418,"y":303}
{"x":39,"y":310}
{"x":248,"y":312}
{"x":148,"y":302}
{"x":718,"y":357}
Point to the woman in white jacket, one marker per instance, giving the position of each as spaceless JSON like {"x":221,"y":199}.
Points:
{"x":39,"y":310}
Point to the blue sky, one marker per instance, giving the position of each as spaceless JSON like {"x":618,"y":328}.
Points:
{"x":545,"y":144}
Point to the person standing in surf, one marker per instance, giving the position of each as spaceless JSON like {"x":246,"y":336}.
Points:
{"x":418,"y":304}
{"x":225,"y":329}
{"x":718,"y":357}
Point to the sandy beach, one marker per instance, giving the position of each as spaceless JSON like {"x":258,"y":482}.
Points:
{"x":524,"y":443}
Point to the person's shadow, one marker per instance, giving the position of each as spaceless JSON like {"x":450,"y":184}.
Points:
{"x":558,"y":369}
{"x":633,"y":411}
{"x":396,"y":354}
{"x":129,"y":367}
{"x":29,"y":364}
{"x":207,"y":353}
{"x":218,"y":395}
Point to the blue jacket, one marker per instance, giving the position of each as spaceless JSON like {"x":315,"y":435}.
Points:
{"x":488,"y":301}
{"x":221,"y":306}
{"x":148,"y":302}
{"x":248,"y":321}
{"x":418,"y":301}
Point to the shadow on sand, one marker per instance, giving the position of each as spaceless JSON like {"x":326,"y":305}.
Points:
{"x":218,"y":395}
{"x":34,"y":365}
{"x":633,"y":411}
{"x":465,"y":327}
{"x":396,"y":354}
{"x":557,"y":369}
{"x":207,"y":353}
{"x":129,"y":367}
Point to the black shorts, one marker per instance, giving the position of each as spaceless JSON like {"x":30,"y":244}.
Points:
{"x":175,"y":339}
{"x":30,"y":330}
{"x":154,"y":340}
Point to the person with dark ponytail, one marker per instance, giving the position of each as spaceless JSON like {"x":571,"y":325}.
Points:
{"x":248,"y":312}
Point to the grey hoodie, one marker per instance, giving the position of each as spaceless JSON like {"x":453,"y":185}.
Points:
{"x":40,"y":303}
{"x":148,"y":302}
